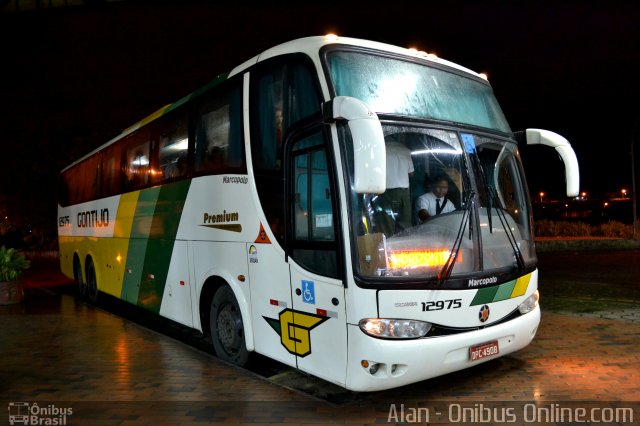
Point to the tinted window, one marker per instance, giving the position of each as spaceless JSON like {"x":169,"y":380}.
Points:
{"x":138,"y":159}
{"x":312,"y":212}
{"x":173,"y":145}
{"x":81,"y":183}
{"x":112,"y":176}
{"x":283,"y":95}
{"x":219,"y":139}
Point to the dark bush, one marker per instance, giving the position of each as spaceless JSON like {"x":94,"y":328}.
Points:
{"x":551,"y":228}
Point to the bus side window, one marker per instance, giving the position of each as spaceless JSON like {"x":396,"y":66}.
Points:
{"x":219,"y":141}
{"x":85,"y":180}
{"x":112,"y":170}
{"x":173,"y":145}
{"x":138,"y":160}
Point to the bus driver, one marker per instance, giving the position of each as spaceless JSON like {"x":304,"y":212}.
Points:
{"x":435,"y":202}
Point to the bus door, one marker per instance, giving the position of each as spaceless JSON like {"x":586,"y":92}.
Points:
{"x":318,"y":322}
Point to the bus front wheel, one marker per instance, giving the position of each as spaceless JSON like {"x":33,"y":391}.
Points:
{"x":227,"y":331}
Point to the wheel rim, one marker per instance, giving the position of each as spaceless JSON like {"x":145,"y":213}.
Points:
{"x":229,"y":329}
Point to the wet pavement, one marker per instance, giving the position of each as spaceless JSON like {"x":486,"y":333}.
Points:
{"x":109,"y":365}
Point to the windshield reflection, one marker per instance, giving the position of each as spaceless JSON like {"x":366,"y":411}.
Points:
{"x":444,"y":200}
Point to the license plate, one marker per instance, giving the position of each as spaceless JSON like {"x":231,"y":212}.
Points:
{"x":484,"y":350}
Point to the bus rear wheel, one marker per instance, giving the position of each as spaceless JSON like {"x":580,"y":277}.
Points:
{"x":77,"y":275}
{"x":227,"y":331}
{"x":92,"y":282}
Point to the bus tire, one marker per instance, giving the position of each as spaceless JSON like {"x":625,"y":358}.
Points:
{"x":227,"y":330}
{"x":77,"y":275}
{"x":92,"y":281}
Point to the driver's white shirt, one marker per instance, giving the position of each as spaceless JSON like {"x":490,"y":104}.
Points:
{"x":428,"y":202}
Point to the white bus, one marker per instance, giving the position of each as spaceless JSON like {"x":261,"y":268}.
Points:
{"x":256,"y":209}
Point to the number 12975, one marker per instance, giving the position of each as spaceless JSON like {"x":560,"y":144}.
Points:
{"x":439,"y":305}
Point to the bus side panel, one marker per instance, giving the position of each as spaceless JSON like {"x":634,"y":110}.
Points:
{"x":66,"y":247}
{"x":140,"y":229}
{"x":176,"y":301}
{"x":164,"y":227}
{"x":227,"y":260}
{"x":87,"y":230}
{"x":120,"y":242}
{"x":218,"y":218}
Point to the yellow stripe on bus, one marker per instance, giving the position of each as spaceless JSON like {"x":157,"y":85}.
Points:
{"x":146,"y":120}
{"x":119,"y":244}
{"x":125,"y":215}
{"x":521,"y":286}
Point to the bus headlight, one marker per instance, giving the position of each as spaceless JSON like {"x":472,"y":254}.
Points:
{"x":530,"y":303}
{"x":394,"y":328}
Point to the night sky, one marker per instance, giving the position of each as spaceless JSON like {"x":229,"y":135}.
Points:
{"x":74,"y":77}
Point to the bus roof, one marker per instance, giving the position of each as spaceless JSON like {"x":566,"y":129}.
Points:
{"x":311,"y":45}
{"x":308,"y":45}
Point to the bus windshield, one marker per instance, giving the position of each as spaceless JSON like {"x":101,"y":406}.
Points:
{"x":455,"y":205}
{"x":393,"y":86}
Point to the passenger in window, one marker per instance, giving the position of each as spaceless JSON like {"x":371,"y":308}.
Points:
{"x":171,"y":170}
{"x":175,"y":168}
{"x":217,"y":158}
{"x":396,"y":200}
{"x":434,"y":202}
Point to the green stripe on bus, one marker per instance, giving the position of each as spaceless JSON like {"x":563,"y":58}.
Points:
{"x":140,"y":229}
{"x":484,"y":295}
{"x":216,"y":81}
{"x":504,"y":291}
{"x":159,"y":248}
{"x":495,"y":293}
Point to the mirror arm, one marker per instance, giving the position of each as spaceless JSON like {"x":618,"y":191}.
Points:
{"x":562,"y":146}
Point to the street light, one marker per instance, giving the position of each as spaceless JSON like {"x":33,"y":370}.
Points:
{"x":624,"y":193}
{"x":541,"y":196}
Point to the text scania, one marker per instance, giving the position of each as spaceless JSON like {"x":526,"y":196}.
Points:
{"x":482,"y":281}
{"x":222,"y":217}
{"x":93,"y":219}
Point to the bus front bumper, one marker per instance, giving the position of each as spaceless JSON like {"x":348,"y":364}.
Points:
{"x":393,"y":363}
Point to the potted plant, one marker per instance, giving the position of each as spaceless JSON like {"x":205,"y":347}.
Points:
{"x":12,"y":265}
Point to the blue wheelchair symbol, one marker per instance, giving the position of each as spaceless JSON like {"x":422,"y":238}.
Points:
{"x":308,"y":292}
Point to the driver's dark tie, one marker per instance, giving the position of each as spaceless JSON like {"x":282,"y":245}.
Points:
{"x":438,"y":206}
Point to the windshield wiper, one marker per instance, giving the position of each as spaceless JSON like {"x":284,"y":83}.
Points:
{"x":505,"y":225}
{"x":446,"y":270}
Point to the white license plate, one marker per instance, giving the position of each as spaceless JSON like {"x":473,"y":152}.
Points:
{"x":484,"y":350}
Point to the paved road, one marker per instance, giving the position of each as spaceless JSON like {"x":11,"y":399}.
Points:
{"x":603,"y":284}
{"x":57,"y":351}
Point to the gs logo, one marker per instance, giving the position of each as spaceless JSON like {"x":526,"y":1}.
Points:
{"x":294,"y":328}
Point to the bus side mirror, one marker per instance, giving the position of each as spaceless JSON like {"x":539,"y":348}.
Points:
{"x":562,"y":146}
{"x":369,"y":153}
